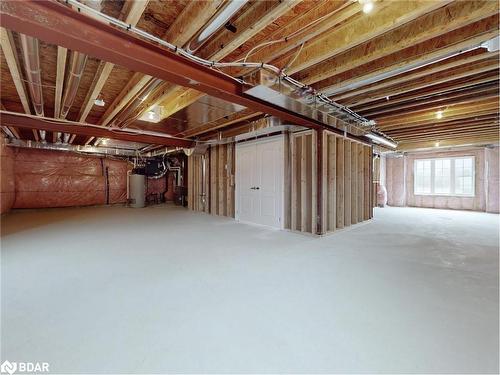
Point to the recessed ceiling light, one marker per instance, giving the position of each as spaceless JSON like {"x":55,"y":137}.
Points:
{"x":99,"y":102}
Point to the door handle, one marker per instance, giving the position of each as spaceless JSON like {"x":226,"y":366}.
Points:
{"x":255,"y":188}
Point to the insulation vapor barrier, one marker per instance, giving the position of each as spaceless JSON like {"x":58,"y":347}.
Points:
{"x":42,"y":179}
{"x":7,"y":185}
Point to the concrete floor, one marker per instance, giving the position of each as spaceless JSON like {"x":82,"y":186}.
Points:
{"x":161,"y":289}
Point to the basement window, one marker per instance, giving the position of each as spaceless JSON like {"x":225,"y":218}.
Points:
{"x":444,"y":176}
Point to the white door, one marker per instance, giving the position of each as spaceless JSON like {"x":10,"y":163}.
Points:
{"x":259,"y":181}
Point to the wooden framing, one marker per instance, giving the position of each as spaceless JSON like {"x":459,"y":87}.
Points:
{"x":340,"y":182}
{"x":347,"y":183}
{"x":343,"y":38}
{"x":321,"y":196}
{"x":217,"y":197}
{"x":331,"y":193}
{"x":10,"y":54}
{"x":345,"y":167}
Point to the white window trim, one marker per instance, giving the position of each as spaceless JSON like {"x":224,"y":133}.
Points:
{"x":452,"y":177}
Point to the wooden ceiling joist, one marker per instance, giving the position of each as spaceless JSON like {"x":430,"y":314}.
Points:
{"x":477,"y":120}
{"x":460,"y":84}
{"x":421,"y":73}
{"x":443,"y":99}
{"x":457,"y":141}
{"x":353,"y":67}
{"x":258,"y":16}
{"x":437,"y":23}
{"x":451,"y":135}
{"x":192,"y":18}
{"x":330,"y":14}
{"x":436,"y":107}
{"x":358,"y":31}
{"x":449,"y":130}
{"x":10,"y":53}
{"x":132,"y":13}
{"x":420,"y":83}
{"x":250,"y":23}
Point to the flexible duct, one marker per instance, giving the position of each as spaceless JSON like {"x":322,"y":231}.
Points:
{"x":31,"y":58}
{"x":77,"y":66}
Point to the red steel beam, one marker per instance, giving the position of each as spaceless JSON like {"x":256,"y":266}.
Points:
{"x":58,"y":24}
{"x":21,"y":121}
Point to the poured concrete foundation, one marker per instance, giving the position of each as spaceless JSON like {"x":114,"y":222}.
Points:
{"x":155,"y":290}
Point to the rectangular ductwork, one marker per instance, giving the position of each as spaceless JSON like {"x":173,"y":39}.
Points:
{"x":273,"y":89}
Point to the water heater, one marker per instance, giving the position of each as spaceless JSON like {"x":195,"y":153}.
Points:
{"x":137,"y":183}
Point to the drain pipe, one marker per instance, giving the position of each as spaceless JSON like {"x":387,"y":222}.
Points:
{"x":31,"y":57}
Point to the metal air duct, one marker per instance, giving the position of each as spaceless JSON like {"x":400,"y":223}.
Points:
{"x":77,"y":66}
{"x":31,"y":58}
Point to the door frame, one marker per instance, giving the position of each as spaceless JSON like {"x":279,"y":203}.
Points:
{"x":239,"y":145}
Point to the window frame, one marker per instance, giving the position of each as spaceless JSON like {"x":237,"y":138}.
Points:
{"x":452,"y":177}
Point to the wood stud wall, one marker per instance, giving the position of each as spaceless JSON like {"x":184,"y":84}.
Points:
{"x":196,"y":192}
{"x":218,"y":196}
{"x":346,"y":182}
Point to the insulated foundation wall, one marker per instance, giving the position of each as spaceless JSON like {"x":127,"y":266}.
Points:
{"x":211,"y":181}
{"x":44,"y":179}
{"x":400,"y":181}
{"x":7,"y":184}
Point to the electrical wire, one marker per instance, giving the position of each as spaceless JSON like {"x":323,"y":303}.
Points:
{"x":296,"y":32}
{"x":213,"y":64}
{"x":290,"y":63}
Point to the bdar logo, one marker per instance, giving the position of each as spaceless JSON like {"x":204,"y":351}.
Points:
{"x":8,"y":367}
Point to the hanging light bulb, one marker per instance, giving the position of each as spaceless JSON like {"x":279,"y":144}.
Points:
{"x":437,"y":144}
{"x":439,"y":115}
{"x":367,"y":7}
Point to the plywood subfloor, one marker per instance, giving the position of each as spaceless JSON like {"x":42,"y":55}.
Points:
{"x":162,"y":289}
